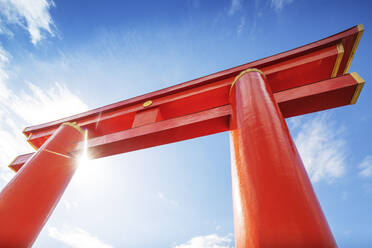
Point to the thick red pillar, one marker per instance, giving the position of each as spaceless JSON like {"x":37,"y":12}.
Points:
{"x":274,"y":202}
{"x":30,"y":197}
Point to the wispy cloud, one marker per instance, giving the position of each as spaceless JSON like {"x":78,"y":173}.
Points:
{"x":76,"y":237}
{"x":27,"y":104}
{"x":33,"y":16}
{"x":4,"y":60}
{"x":38,"y":105}
{"x":69,"y":204}
{"x":241,"y":25}
{"x":321,"y":147}
{"x":366,"y":167}
{"x":162,"y":197}
{"x":235,"y":6}
{"x":33,"y":105}
{"x":12,"y":142}
{"x":279,"y":4}
{"x":208,"y":241}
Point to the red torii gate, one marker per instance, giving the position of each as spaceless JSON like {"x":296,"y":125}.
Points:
{"x":274,"y":203}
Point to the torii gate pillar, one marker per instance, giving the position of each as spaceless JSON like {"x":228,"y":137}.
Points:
{"x":274,"y":203}
{"x":30,"y":197}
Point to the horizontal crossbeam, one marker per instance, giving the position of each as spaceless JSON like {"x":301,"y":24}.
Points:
{"x":308,"y":98}
{"x":311,"y":63}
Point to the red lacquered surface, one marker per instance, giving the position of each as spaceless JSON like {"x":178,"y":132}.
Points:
{"x":305,"y":99}
{"x":304,"y":65}
{"x":274,"y":203}
{"x":319,"y":96}
{"x":146,"y":117}
{"x":30,"y":197}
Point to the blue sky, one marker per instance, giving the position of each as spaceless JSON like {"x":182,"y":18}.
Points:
{"x":64,"y":57}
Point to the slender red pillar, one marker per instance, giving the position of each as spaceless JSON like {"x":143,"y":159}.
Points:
{"x":30,"y":197}
{"x":274,"y":202}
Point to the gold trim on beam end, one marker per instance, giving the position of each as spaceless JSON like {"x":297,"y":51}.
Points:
{"x":28,"y":140}
{"x":74,"y":125}
{"x":244,"y":72}
{"x":359,"y":87}
{"x":340,"y":54}
{"x":11,"y":164}
{"x":23,"y":131}
{"x":355,"y":46}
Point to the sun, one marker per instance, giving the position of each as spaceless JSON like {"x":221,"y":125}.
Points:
{"x":88,"y":170}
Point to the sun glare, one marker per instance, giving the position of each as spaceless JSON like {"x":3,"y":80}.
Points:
{"x":90,"y":172}
{"x":84,"y":160}
{"x":85,"y":171}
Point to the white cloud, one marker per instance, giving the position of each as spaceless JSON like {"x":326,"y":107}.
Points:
{"x":208,"y":241}
{"x":322,"y":149}
{"x":76,"y":237}
{"x":69,"y":204}
{"x":39,"y":105}
{"x":4,"y":57}
{"x":235,"y":6}
{"x":5,"y":31}
{"x":279,"y":4}
{"x":12,"y":142}
{"x":366,"y":167}
{"x":4,"y":60}
{"x":241,"y":25}
{"x":162,"y":197}
{"x":34,"y":105}
{"x":32,"y":15}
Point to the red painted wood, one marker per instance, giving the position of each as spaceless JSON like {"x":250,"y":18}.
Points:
{"x":159,"y":133}
{"x":332,"y":93}
{"x":288,"y":74}
{"x":274,"y":203}
{"x":29,"y":198}
{"x":310,"y":98}
{"x":19,"y":161}
{"x":180,"y":104}
{"x":307,"y":64}
{"x":348,"y":42}
{"x":146,"y":117}
{"x":310,"y":68}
